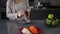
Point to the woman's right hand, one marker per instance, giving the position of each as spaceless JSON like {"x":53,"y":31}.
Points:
{"x":20,"y":15}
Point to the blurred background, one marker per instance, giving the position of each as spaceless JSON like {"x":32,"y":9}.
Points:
{"x":40,"y":10}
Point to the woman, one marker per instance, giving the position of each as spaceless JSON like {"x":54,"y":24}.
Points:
{"x":18,"y":9}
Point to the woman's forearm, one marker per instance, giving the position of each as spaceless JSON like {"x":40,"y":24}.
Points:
{"x":12,"y":15}
{"x":9,"y":14}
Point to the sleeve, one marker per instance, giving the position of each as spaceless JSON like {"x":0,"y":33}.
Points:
{"x":28,"y":7}
{"x":8,"y":11}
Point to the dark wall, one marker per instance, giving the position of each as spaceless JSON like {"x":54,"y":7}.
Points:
{"x":3,"y":9}
{"x":55,"y":2}
{"x":3,"y":3}
{"x":52,"y":2}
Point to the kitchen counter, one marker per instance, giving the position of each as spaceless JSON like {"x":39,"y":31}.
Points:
{"x":44,"y":9}
{"x":38,"y":23}
{"x":39,"y":14}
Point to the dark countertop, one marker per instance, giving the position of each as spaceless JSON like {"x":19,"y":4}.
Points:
{"x":38,"y":23}
{"x":39,"y":14}
{"x":44,"y":9}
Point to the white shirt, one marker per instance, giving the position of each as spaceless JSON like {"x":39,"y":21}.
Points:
{"x":18,"y":7}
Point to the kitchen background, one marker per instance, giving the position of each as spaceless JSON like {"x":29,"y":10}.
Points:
{"x":38,"y":12}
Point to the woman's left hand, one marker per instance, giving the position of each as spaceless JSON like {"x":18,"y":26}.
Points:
{"x":27,"y":14}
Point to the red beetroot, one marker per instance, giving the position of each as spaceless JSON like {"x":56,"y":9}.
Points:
{"x":20,"y":30}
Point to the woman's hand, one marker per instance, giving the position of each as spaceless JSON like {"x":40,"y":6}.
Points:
{"x":20,"y":15}
{"x":27,"y":14}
